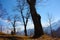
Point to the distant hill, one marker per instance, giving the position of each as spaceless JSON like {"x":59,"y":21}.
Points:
{"x":55,"y":27}
{"x":56,"y":33}
{"x":29,"y":32}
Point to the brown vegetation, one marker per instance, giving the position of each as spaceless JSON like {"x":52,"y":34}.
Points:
{"x":15,"y":37}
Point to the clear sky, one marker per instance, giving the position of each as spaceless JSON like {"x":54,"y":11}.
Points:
{"x":43,"y":7}
{"x":51,"y":7}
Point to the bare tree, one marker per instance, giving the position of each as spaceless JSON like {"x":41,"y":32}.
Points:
{"x":50,"y":21}
{"x":13,"y":22}
{"x":21,"y":7}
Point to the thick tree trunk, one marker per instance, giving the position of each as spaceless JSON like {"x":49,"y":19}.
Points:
{"x":37,"y":22}
{"x":38,"y":31}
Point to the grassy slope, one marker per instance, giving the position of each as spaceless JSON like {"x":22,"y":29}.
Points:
{"x":44,"y":37}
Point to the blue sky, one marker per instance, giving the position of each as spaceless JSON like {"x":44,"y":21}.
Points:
{"x":42,"y":8}
{"x":51,"y":7}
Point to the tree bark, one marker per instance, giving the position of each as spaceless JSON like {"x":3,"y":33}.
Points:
{"x":38,"y":30}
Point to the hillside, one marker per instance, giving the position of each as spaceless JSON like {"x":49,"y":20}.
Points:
{"x":15,"y":37}
{"x":55,"y":26}
{"x":46,"y":37}
{"x":2,"y":33}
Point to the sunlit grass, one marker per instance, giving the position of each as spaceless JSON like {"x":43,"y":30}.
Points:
{"x":9,"y":36}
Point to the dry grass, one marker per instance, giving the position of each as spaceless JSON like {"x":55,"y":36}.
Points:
{"x":45,"y":37}
{"x":10,"y":37}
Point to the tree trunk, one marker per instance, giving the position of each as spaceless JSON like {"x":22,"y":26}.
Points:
{"x":38,"y":31}
{"x":25,"y":31}
{"x":14,"y":30}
